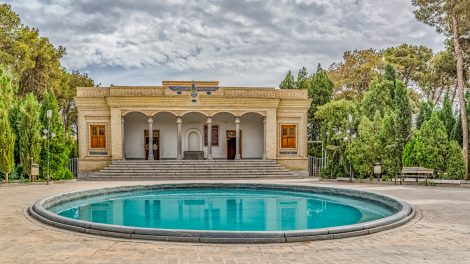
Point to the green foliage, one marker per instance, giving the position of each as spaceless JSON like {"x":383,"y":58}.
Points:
{"x":446,"y":115}
{"x":364,"y":151}
{"x":288,"y":82}
{"x":333,"y":171}
{"x":409,"y":158}
{"x":390,"y":75}
{"x":455,"y":162}
{"x":390,"y":151}
{"x":339,"y":121}
{"x":59,"y":149}
{"x":302,"y":79}
{"x":403,"y":121}
{"x":425,"y":111}
{"x":377,"y":98}
{"x":353,"y":75}
{"x":320,"y":91}
{"x":429,"y":147}
{"x":7,"y":143}
{"x":29,"y":129}
{"x":34,"y":64}
{"x":411,"y":61}
{"x":7,"y":90}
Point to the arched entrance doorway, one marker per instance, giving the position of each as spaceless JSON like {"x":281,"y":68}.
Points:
{"x":194,"y":140}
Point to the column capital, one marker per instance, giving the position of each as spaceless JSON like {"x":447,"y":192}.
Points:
{"x":123,"y":120}
{"x":150,"y":119}
{"x":237,"y":120}
{"x":264,"y":119}
{"x":209,"y":120}
{"x":179,"y":120}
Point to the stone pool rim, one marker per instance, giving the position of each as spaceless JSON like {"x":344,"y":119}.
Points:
{"x":403,"y":214}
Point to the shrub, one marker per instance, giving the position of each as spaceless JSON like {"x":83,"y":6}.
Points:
{"x":455,"y":162}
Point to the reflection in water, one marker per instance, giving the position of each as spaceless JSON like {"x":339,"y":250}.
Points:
{"x":228,"y":209}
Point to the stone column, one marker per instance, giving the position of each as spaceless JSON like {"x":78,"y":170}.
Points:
{"x":264,"y":137}
{"x":179,"y":122}
{"x":209,"y":138}
{"x":116,"y":136}
{"x":122,"y":135}
{"x":150,"y":150}
{"x":237,"y":138}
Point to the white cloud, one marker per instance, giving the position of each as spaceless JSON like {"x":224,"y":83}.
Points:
{"x":236,"y":42}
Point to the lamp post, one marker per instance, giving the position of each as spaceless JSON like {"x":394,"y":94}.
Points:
{"x":47,"y":135}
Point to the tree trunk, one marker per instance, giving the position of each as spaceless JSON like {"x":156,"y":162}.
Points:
{"x":460,"y":87}
{"x":6,"y":177}
{"x":453,"y":94}
{"x":438,"y":96}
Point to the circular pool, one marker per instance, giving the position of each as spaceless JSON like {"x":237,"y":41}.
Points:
{"x":223,"y":212}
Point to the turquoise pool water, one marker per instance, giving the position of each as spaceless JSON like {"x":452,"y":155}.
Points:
{"x":229,"y":209}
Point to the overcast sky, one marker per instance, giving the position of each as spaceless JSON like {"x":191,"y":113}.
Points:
{"x":237,"y":42}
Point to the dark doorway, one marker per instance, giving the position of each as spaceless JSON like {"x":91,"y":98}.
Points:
{"x":231,"y":143}
{"x":155,"y":144}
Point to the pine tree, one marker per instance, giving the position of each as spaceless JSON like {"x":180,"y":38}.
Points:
{"x":288,"y":82}
{"x":302,"y":80}
{"x":446,"y":115}
{"x":451,"y":18}
{"x":29,"y":129}
{"x":7,"y":144}
{"x":59,"y":151}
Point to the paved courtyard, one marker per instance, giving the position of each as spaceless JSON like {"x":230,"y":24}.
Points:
{"x":439,"y":234}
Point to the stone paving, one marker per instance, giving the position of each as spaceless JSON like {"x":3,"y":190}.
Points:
{"x":439,"y":234}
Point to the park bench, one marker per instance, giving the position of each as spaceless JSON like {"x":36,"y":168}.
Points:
{"x":416,"y":172}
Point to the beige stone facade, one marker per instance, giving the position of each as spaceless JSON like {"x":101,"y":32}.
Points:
{"x":268,"y":110}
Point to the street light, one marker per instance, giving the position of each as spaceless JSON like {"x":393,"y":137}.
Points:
{"x":47,"y":135}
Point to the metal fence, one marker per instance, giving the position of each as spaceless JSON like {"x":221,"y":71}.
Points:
{"x":315,"y":165}
{"x":72,"y":166}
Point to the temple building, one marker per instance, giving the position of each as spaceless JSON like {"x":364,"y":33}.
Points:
{"x":191,"y":120}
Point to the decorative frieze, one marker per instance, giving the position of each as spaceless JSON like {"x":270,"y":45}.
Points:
{"x":137,"y":91}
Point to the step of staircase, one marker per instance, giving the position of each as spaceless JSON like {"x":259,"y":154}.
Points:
{"x":124,"y":170}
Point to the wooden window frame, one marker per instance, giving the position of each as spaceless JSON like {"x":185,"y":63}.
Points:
{"x":98,"y":137}
{"x":215,"y":138}
{"x":285,"y":143}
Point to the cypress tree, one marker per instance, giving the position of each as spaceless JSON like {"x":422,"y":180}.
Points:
{"x":29,"y":129}
{"x":302,"y":80}
{"x":429,"y":147}
{"x":403,"y":114}
{"x":446,"y":115}
{"x":391,"y":76}
{"x":7,"y":137}
{"x":288,"y":82}
{"x":455,"y":161}
{"x":377,"y":98}
{"x":425,"y":111}
{"x":320,"y":90}
{"x":390,"y":152}
{"x":7,"y":144}
{"x":59,"y":150}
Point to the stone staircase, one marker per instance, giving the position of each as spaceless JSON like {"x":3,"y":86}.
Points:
{"x":190,"y":169}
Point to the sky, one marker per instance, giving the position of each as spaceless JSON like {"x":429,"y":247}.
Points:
{"x":236,"y":42}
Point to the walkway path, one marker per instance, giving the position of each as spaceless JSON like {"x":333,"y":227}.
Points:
{"x":440,"y":234}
